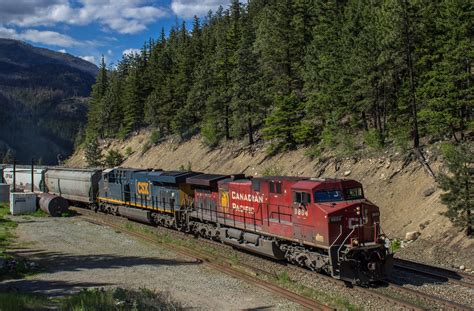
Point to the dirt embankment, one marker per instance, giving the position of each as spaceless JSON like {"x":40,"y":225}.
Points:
{"x":408,"y":197}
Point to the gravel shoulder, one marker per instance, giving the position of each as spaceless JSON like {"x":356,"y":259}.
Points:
{"x":75,"y":255}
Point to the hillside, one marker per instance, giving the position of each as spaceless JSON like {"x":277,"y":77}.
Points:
{"x":408,"y":197}
{"x":42,"y":100}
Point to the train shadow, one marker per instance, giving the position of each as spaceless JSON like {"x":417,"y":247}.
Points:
{"x":48,"y":264}
{"x":51,"y":288}
{"x":53,"y":262}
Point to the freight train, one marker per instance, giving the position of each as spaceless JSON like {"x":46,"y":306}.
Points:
{"x":326,"y":225}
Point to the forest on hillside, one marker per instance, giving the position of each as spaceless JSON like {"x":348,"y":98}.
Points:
{"x":299,"y":72}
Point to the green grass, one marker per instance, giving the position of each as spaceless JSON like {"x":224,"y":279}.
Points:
{"x":395,"y":245}
{"x":39,"y":213}
{"x":338,"y":302}
{"x":6,"y":228}
{"x":92,"y":299}
{"x":119,"y":299}
{"x":16,"y":301}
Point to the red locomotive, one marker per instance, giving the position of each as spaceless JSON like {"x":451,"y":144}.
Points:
{"x":323,"y":224}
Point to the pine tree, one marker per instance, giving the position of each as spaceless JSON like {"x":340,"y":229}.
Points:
{"x":112,"y":106}
{"x":92,"y":153}
{"x":273,"y":44}
{"x":459,"y":185}
{"x":95,"y":116}
{"x":245,"y":101}
{"x":132,"y":106}
{"x":283,"y":126}
{"x":324,"y":69}
{"x":113,"y":158}
{"x":448,"y":89}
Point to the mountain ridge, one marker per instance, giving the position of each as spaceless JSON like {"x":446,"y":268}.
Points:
{"x":43,"y":101}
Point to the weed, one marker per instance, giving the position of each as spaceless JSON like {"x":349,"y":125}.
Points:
{"x":69,"y":214}
{"x":128,"y":151}
{"x":272,"y":171}
{"x":39,"y":213}
{"x":284,"y":278}
{"x":155,"y":137}
{"x":146,"y":147}
{"x":395,"y":245}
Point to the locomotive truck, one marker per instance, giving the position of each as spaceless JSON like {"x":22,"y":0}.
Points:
{"x":326,"y":225}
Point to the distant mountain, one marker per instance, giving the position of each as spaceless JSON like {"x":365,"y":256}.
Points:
{"x":43,"y":100}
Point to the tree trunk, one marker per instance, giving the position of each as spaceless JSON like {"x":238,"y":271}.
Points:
{"x":227,"y":129}
{"x":249,"y":125}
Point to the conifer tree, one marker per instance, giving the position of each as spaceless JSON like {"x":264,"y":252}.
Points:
{"x":448,"y":89}
{"x":283,"y":126}
{"x":245,"y":101}
{"x":95,"y":116}
{"x":132,"y":106}
{"x":459,"y":185}
{"x":92,"y":153}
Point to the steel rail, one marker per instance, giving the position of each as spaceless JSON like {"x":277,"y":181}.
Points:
{"x":208,"y":259}
{"x":213,"y":261}
{"x":449,"y":305}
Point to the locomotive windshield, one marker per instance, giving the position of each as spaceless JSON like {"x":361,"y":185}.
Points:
{"x":338,"y":195}
{"x":328,"y":196}
{"x":353,"y":193}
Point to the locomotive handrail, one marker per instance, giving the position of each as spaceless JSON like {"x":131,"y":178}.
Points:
{"x":340,"y":234}
{"x":344,"y":242}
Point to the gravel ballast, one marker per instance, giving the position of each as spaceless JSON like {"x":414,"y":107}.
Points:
{"x":76,"y":254}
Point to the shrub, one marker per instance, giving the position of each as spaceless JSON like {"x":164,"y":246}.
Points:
{"x":146,"y":147}
{"x":373,"y":139}
{"x":113,"y":158}
{"x":155,"y":137}
{"x":128,"y":151}
{"x":272,"y":171}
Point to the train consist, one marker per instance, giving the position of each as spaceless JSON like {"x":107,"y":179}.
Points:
{"x":326,"y":225}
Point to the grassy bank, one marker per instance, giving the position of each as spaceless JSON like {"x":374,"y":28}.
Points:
{"x":90,"y":300}
{"x":6,"y":229}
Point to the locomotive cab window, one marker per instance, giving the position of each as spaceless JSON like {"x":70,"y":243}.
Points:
{"x":328,"y":196}
{"x":275,"y":187}
{"x":353,"y":193}
{"x":301,"y":197}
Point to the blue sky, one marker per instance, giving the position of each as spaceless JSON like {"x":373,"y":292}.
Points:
{"x":91,"y":28}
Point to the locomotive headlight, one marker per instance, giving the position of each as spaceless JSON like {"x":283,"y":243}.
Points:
{"x":358,"y":210}
{"x":354,"y":242}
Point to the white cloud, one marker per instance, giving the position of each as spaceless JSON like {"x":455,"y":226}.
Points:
{"x":39,"y":36}
{"x":130,"y":52}
{"x":62,"y":51}
{"x":123,"y":16}
{"x":90,"y":59}
{"x":189,"y":8}
{"x":109,"y":52}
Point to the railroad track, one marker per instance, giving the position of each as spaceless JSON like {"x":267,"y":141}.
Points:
{"x":220,"y":264}
{"x":439,"y":273}
{"x":241,"y":271}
